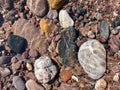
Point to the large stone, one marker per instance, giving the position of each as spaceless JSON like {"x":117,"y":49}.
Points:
{"x":32,"y":85}
{"x":17,"y":44}
{"x":45,"y":70}
{"x":103,"y":28}
{"x":56,"y":4}
{"x":65,"y":19}
{"x":67,"y":48}
{"x":31,"y":33}
{"x":38,"y":7}
{"x":92,"y":57}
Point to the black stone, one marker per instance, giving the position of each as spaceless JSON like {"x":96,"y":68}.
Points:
{"x":17,"y":44}
{"x":80,"y":10}
{"x":116,"y":23}
{"x":67,"y":47}
{"x":103,"y":28}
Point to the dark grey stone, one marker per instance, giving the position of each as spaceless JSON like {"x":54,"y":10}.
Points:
{"x":17,"y":44}
{"x":116,"y":23}
{"x":103,"y":28}
{"x":5,"y":60}
{"x":67,"y":47}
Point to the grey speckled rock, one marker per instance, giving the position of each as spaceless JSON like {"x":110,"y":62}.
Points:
{"x":38,"y":7}
{"x":18,"y":83}
{"x":45,"y":70}
{"x":92,"y":57}
{"x":65,"y":19}
{"x":5,"y":60}
{"x":103,"y":28}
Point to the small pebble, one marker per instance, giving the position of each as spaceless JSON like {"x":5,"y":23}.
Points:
{"x":91,"y":34}
{"x":116,"y":68}
{"x":101,"y":84}
{"x":116,"y":77}
{"x":115,"y":31}
{"x":33,"y":53}
{"x":52,"y":14}
{"x":5,"y":72}
{"x":16,"y":65}
{"x":18,"y":83}
{"x":29,"y":67}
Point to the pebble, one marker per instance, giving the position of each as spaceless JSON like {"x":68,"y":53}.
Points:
{"x":65,"y":75}
{"x":32,"y":85}
{"x":31,"y":75}
{"x":16,"y":66}
{"x":45,"y":70}
{"x":91,"y":35}
{"x":116,"y":23}
{"x":115,"y":31}
{"x":5,"y":60}
{"x":52,"y":14}
{"x":29,"y":67}
{"x":56,"y":4}
{"x":103,"y":28}
{"x":65,"y":19}
{"x":68,"y":45}
{"x":101,"y":84}
{"x":18,"y":83}
{"x":80,"y":10}
{"x":92,"y":57}
{"x":35,"y":41}
{"x":33,"y":53}
{"x":1,"y":19}
{"x":116,"y":77}
{"x":17,"y":44}
{"x":4,"y":72}
{"x":38,"y":7}
{"x":116,"y":68}
{"x":8,"y":4}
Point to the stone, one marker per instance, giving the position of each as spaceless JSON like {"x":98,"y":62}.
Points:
{"x":114,"y":42}
{"x":16,"y":66}
{"x":1,"y":19}
{"x":116,"y":23}
{"x":91,"y":35}
{"x":5,"y":60}
{"x":33,"y":53}
{"x":103,"y":29}
{"x":65,"y":75}
{"x":31,"y":75}
{"x":6,"y":4}
{"x":116,"y":77}
{"x":101,"y":84}
{"x":56,"y":4}
{"x":65,"y":19}
{"x":45,"y":70}
{"x":116,"y":68}
{"x":18,"y":83}
{"x":10,"y":16}
{"x":36,"y":41}
{"x":52,"y":14}
{"x":80,"y":10}
{"x":32,"y":85}
{"x":67,"y":47}
{"x":17,"y":44}
{"x":38,"y":7}
{"x":92,"y":57}
{"x":4,"y":72}
{"x":29,"y":67}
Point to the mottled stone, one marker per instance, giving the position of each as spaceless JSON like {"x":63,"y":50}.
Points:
{"x":65,"y":19}
{"x":103,"y":28}
{"x":101,"y":84}
{"x":92,"y":57}
{"x":4,"y":72}
{"x":33,"y":53}
{"x":32,"y":85}
{"x":18,"y":83}
{"x":67,"y":48}
{"x":38,"y":7}
{"x":56,"y":4}
{"x":17,"y":44}
{"x":52,"y":14}
{"x":5,"y":60}
{"x":34,"y":39}
{"x":45,"y":70}
{"x":116,"y":23}
{"x":116,"y":77}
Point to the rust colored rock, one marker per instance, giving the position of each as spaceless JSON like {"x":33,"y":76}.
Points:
{"x":38,"y":7}
{"x":31,"y":33}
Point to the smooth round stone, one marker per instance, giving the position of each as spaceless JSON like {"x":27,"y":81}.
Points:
{"x":92,"y":57}
{"x":5,"y":60}
{"x":5,"y":72}
{"x":18,"y":83}
{"x":32,"y":85}
{"x":65,"y":19}
{"x":52,"y":14}
{"x":45,"y":70}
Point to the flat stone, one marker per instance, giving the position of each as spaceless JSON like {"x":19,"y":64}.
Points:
{"x":65,"y":19}
{"x":92,"y":57}
{"x":38,"y":7}
{"x":103,"y":28}
{"x":45,"y":70}
{"x":18,"y":83}
{"x":17,"y":44}
{"x":67,"y":48}
{"x":32,"y":85}
{"x":35,"y":41}
{"x":5,"y":60}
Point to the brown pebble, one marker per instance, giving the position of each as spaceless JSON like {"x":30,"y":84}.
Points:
{"x":33,"y":53}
